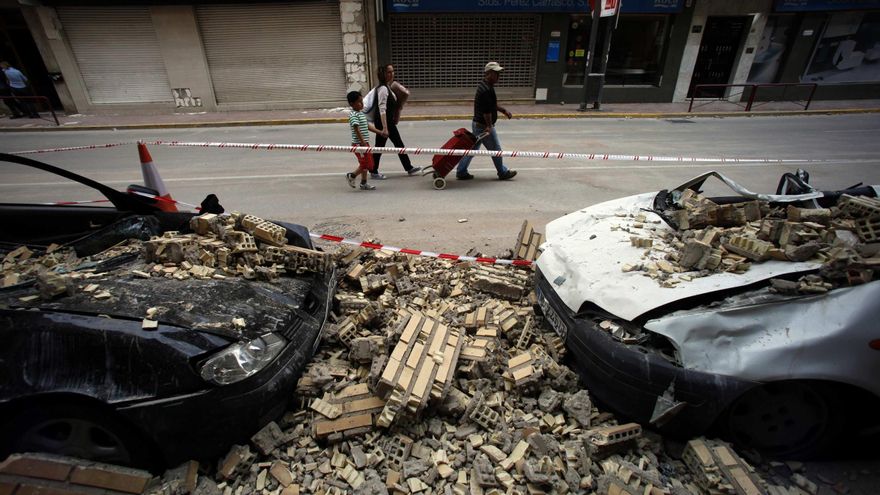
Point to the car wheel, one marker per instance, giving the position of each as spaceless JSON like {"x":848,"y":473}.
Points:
{"x":78,"y":431}
{"x":791,"y":420}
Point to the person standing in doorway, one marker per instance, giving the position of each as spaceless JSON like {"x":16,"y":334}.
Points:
{"x":486,"y":111}
{"x":18,"y":83}
{"x":10,"y":102}
{"x":389,"y":105}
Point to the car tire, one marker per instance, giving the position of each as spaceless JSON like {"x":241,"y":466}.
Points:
{"x":787,"y":420}
{"x":76,"y":430}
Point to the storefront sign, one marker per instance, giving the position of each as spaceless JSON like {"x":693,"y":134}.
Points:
{"x":553,"y":51}
{"x":576,"y":6}
{"x":609,"y":7}
{"x":821,"y":5}
{"x":573,"y":6}
{"x":651,"y":6}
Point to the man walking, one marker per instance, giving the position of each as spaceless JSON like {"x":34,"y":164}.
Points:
{"x":19,"y":82}
{"x":10,"y":103}
{"x":485,"y":115}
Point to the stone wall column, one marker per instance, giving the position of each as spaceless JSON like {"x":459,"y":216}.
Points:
{"x":354,"y":44}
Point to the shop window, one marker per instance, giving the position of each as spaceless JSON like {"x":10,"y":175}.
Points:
{"x":848,"y":51}
{"x":778,"y":35}
{"x":576,"y":50}
{"x":638,"y":46}
{"x":637,"y":49}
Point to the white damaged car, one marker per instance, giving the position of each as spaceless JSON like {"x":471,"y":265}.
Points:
{"x":754,"y":314}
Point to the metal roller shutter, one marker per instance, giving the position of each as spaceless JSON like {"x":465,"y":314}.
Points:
{"x":118,"y":54}
{"x":285,"y":52}
{"x":438,"y":52}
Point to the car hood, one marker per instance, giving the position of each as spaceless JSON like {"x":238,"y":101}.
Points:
{"x":203,"y":305}
{"x":585,"y":252}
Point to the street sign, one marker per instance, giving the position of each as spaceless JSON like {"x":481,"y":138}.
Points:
{"x":609,"y":7}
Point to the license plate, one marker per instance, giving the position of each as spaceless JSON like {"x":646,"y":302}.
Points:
{"x":551,"y":316}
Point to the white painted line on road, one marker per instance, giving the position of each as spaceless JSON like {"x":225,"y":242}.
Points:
{"x":849,"y":131}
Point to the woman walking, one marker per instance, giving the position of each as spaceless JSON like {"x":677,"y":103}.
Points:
{"x":389,"y":105}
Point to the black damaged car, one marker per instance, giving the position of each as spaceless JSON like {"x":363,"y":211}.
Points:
{"x":80,"y":375}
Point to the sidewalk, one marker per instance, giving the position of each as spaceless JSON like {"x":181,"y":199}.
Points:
{"x":426,"y":111}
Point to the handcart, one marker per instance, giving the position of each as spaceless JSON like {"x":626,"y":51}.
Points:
{"x":441,"y":165}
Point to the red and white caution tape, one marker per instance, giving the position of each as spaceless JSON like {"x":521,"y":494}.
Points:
{"x":67,"y":203}
{"x":164,"y":199}
{"x":416,"y":252}
{"x":342,"y":240}
{"x":323,"y":148}
{"x":73,"y":148}
{"x":450,"y":152}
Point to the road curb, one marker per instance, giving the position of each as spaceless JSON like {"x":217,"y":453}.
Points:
{"x":422,"y":118}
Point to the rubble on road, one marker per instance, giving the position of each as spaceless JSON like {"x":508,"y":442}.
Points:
{"x":453,"y":385}
{"x":435,"y":377}
{"x":710,"y":238}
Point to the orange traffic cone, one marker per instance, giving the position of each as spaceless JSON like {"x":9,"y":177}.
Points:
{"x":153,"y":180}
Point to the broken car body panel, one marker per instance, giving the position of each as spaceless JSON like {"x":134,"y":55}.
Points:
{"x":631,"y":378}
{"x":701,"y":344}
{"x":585,"y":251}
{"x":768,"y":338}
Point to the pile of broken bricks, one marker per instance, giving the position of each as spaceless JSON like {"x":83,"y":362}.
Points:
{"x":710,"y":238}
{"x":438,"y":377}
{"x":435,"y":377}
{"x":235,"y":245}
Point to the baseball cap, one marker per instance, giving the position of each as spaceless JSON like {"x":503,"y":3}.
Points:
{"x":493,"y":66}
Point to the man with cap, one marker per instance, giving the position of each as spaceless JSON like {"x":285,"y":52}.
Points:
{"x":485,"y":114}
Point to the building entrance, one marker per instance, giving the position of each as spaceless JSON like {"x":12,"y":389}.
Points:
{"x":718,"y":51}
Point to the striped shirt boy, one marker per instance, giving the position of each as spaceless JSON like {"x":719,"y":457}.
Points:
{"x":357,"y":120}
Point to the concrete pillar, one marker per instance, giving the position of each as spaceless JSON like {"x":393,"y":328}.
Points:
{"x":41,"y":35}
{"x":184,"y":58}
{"x":354,"y":44}
{"x":750,"y":47}
{"x":47,"y":32}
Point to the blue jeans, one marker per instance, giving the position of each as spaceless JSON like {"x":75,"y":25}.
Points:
{"x":490,"y":142}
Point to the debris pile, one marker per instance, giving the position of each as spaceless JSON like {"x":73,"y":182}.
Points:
{"x":432,"y":380}
{"x":226,"y":245}
{"x":434,"y":377}
{"x":711,"y":238}
{"x":221,"y":246}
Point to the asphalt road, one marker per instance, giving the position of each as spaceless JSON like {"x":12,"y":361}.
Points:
{"x":309,"y":188}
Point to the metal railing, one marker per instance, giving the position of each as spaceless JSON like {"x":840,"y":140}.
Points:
{"x":753,"y":90}
{"x":39,"y":99}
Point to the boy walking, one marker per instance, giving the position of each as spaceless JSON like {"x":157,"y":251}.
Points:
{"x":360,"y":127}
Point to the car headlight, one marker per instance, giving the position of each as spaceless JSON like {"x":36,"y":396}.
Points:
{"x":239,"y":361}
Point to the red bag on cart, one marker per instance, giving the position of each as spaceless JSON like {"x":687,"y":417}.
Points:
{"x":462,"y":139}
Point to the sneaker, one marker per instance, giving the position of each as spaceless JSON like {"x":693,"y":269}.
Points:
{"x":507,"y":175}
{"x":464,"y":176}
{"x":367,"y":187}
{"x":414,"y":170}
{"x":350,"y":178}
{"x":377,"y":176}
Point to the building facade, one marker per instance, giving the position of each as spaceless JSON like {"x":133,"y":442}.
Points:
{"x":167,"y":56}
{"x":128,"y":56}
{"x":439,"y":47}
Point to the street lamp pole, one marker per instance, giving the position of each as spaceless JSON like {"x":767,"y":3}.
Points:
{"x":606,"y":50}
{"x":591,"y":49}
